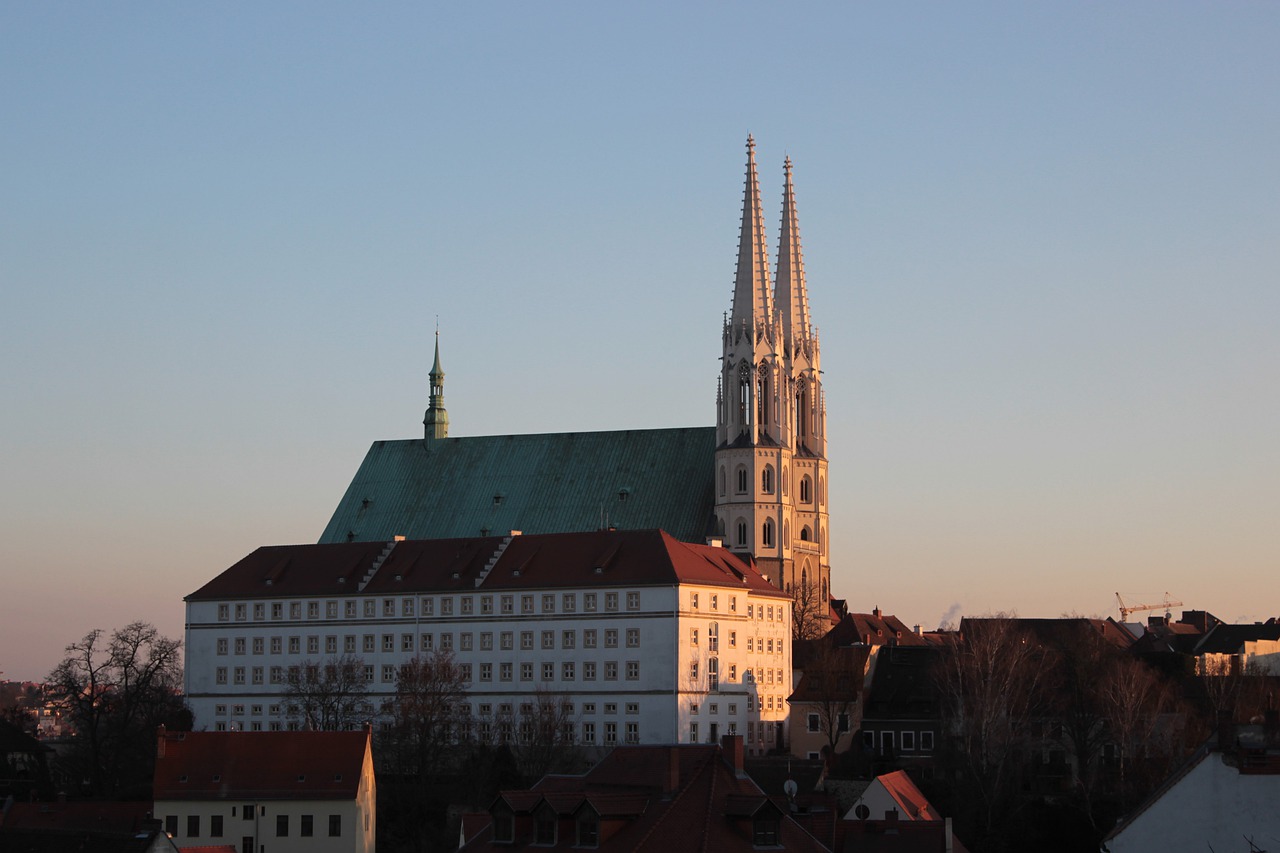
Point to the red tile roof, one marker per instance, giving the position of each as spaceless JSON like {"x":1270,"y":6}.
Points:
{"x":654,"y":798}
{"x":910,"y":801}
{"x":260,"y":765}
{"x":600,"y":558}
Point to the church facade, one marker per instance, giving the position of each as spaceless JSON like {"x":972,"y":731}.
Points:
{"x":756,"y":482}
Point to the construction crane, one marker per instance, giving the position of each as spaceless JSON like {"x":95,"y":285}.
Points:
{"x":1167,"y":606}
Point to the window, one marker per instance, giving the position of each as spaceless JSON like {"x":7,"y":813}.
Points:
{"x":313,"y":610}
{"x":388,"y":642}
{"x":465,"y":641}
{"x":633,"y":601}
{"x":568,"y":639}
{"x":428,"y":606}
{"x":611,"y":638}
{"x":258,"y":645}
{"x":526,"y":604}
{"x":633,"y":638}
{"x":526,"y":672}
{"x":428,"y":642}
{"x":611,"y":601}
{"x":588,"y":829}
{"x":814,"y":724}
{"x":693,"y":600}
{"x":508,"y":641}
{"x":504,"y":671}
{"x":693,"y":733}
{"x":349,"y":609}
{"x":389,"y":672}
{"x":926,"y":741}
{"x":504,"y":826}
{"x":908,"y":741}
{"x":548,"y":639}
{"x":766,"y":533}
{"x":742,"y":534}
{"x":388,"y":607}
{"x":313,"y":645}
{"x":508,"y":605}
{"x":246,"y":811}
{"x":589,"y":733}
{"x":446,"y":607}
{"x":486,"y":671}
{"x":295,"y":609}
{"x":548,"y":603}
{"x":277,"y":610}
{"x":589,"y":671}
{"x":633,"y":732}
{"x":569,"y":602}
{"x":544,"y":827}
{"x":589,"y":602}
{"x":733,"y":639}
{"x":633,"y":670}
{"x":766,"y":480}
{"x":806,"y":489}
{"x":240,"y":613}
{"x":406,"y":607}
{"x":566,"y":671}
{"x":215,"y":826}
{"x":335,"y":825}
{"x":742,"y":480}
{"x":295,"y":645}
{"x":467,"y":605}
{"x":764,"y":830}
{"x":222,"y":645}
{"x":610,"y":734}
{"x":193,"y":826}
{"x":257,"y":675}
{"x":220,"y":675}
{"x":548,"y":671}
{"x":282,"y":826}
{"x":526,"y":640}
{"x":305,"y":829}
{"x":446,"y":642}
{"x":486,"y":641}
{"x":224,"y":613}
{"x":370,"y":608}
{"x":276,"y":645}
{"x":611,"y":670}
{"x":486,"y":604}
{"x":589,"y":638}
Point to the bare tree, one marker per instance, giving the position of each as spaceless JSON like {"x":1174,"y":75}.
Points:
{"x":830,"y":687}
{"x":991,"y":685}
{"x":115,"y":691}
{"x":546,"y":741}
{"x":1134,"y":698}
{"x":328,"y":696}
{"x":810,"y":613}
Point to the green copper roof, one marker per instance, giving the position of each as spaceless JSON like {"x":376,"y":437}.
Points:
{"x":552,"y":483}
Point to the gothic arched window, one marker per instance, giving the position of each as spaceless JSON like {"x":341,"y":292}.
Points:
{"x":742,"y":479}
{"x":742,"y":534}
{"x":766,"y":480}
{"x":722,"y":480}
{"x":744,"y":394}
{"x":806,"y":489}
{"x":762,"y":395}
{"x":766,"y":533}
{"x":804,"y":533}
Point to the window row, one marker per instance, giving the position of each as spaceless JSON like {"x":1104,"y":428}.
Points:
{"x":906,"y":741}
{"x":409,"y":642}
{"x":305,"y":824}
{"x":402,"y":607}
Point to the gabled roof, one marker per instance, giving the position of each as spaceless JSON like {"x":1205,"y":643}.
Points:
{"x":663,"y":798}
{"x":910,"y":801}
{"x":873,"y":629}
{"x":600,"y":558}
{"x":1057,"y":631}
{"x":548,"y":483}
{"x":260,"y":765}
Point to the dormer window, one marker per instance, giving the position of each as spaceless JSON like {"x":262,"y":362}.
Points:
{"x":764,"y":830}
{"x":588,"y":828}
{"x":504,"y":824}
{"x":544,"y":825}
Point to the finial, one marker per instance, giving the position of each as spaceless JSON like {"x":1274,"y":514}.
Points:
{"x":751,"y":142}
{"x":787,"y":164}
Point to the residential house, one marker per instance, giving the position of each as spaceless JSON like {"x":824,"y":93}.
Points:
{"x":268,"y":791}
{"x":648,"y":798}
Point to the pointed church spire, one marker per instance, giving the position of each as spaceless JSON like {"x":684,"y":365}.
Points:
{"x":436,"y":420}
{"x":752,"y":297}
{"x":790,"y":293}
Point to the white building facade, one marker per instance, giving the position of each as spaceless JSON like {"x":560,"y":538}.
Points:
{"x":636,"y":637}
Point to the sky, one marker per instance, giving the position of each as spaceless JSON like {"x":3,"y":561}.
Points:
{"x":1041,"y":242}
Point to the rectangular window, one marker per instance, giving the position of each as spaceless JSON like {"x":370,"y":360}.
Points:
{"x":526,"y":604}
{"x":733,"y":604}
{"x":388,"y":672}
{"x":548,"y":671}
{"x":589,"y":671}
{"x":589,"y":733}
{"x":239,"y":675}
{"x":465,"y":640}
{"x":295,"y":609}
{"x":257,"y":675}
{"x":526,"y":640}
{"x":611,"y":670}
{"x":335,"y":826}
{"x":633,"y":601}
{"x":215,"y":826}
{"x":282,"y":826}
{"x":466,"y":672}
{"x":193,"y":826}
{"x":349,"y":608}
{"x":446,"y":642}
{"x":633,"y":732}
{"x":277,"y":610}
{"x":611,"y":638}
{"x":224,"y":613}
{"x":388,"y":642}
{"x":589,"y":602}
{"x":486,"y":604}
{"x":428,"y":607}
{"x":568,"y":639}
{"x":633,"y":670}
{"x":926,"y":741}
{"x":259,"y":612}
{"x":610,"y":734}
{"x":222,"y":645}
{"x":388,"y":607}
{"x":693,"y":601}
{"x":814,"y":724}
{"x":446,"y":607}
{"x":305,"y":829}
{"x":370,"y":608}
{"x":277,"y":675}
{"x":349,"y":644}
{"x":693,"y":636}
{"x":486,"y":671}
{"x":507,"y":605}
{"x":331,"y":645}
{"x":258,"y":645}
{"x":693,"y":733}
{"x":633,"y":638}
{"x":507,"y":641}
{"x":589,"y":638}
{"x":313,"y":645}
{"x":406,"y":607}
{"x":611,"y":601}
{"x":505,"y":671}
{"x":313,"y":610}
{"x":241,"y":615}
{"x":715,"y":602}
{"x":633,"y":707}
{"x":486,"y":641}
{"x":526,"y":672}
{"x":548,"y":639}
{"x":295,"y":645}
{"x":566,"y":671}
{"x":428,"y":642}
{"x":369,"y":643}
{"x":569,"y":602}
{"x":468,"y":604}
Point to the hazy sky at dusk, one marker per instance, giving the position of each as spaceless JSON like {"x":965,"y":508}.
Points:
{"x":1042,"y":244}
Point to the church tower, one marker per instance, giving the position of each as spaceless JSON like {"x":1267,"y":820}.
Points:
{"x":436,"y":419}
{"x":771,"y":445}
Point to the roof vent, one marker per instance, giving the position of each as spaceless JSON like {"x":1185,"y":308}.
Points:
{"x":455,"y":575}
{"x":217,"y":777}
{"x":337,"y":777}
{"x":599,"y":570}
{"x":182,"y":778}
{"x":399,"y":577}
{"x":497,"y":498}
{"x":342,"y":580}
{"x":301,"y":778}
{"x":515,"y":573}
{"x":269,"y":581}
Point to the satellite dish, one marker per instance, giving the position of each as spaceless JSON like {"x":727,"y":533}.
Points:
{"x":862,"y":811}
{"x":790,"y":788}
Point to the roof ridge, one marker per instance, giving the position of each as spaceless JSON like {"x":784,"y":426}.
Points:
{"x":671,"y":806}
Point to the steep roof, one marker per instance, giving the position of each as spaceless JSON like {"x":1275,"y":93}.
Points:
{"x":874,"y":629}
{"x":598,"y":558}
{"x":666,"y":798}
{"x":260,"y":765}
{"x":1229,"y":639}
{"x":904,"y":792}
{"x":549,"y":483}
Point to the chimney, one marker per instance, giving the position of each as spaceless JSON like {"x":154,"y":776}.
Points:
{"x":950,"y":839}
{"x":876,"y":612}
{"x":733,"y":752}
{"x":672,"y":783}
